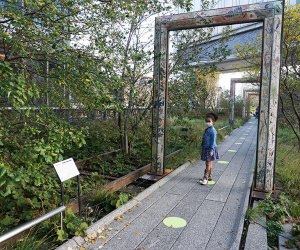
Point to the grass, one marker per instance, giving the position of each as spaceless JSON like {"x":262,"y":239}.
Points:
{"x":190,"y":140}
{"x":286,"y":207}
{"x":36,"y":239}
{"x":182,"y":134}
{"x":288,"y":162}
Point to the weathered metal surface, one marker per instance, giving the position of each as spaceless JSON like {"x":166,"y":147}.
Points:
{"x":231,"y":103}
{"x":264,"y":105}
{"x":229,"y":15}
{"x":269,"y":104}
{"x":233,"y":82}
{"x":246,"y":100}
{"x":273,"y":106}
{"x":159,"y":97}
{"x":265,"y":12}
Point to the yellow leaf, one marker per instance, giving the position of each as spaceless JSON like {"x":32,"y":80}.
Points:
{"x":103,"y":236}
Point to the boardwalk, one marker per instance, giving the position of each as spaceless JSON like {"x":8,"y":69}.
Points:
{"x":214,"y":213}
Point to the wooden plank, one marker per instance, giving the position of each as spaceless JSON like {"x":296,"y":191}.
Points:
{"x":231,"y":15}
{"x":131,"y":177}
{"x":120,"y":182}
{"x":126,"y":179}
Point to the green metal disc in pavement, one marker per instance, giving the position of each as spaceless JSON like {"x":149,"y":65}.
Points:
{"x":223,"y":162}
{"x":212,"y":182}
{"x":174,"y":222}
{"x":232,"y":150}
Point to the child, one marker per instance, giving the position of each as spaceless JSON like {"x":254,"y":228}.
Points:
{"x":209,"y":146}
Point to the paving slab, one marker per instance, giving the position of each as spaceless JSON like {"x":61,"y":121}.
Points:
{"x":257,"y":234}
{"x":198,"y":232}
{"x":214,"y":213}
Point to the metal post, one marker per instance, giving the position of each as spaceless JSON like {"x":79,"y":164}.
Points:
{"x":78,"y":194}
{"x":264,"y":175}
{"x":62,"y":203}
{"x":159,"y":97}
{"x":271,"y":15}
{"x":231,"y":103}
{"x":47,"y":83}
{"x":244,"y":104}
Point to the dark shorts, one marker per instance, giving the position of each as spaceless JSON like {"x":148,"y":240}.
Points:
{"x":206,"y":157}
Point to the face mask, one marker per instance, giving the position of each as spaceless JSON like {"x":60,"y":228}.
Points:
{"x":208,"y":124}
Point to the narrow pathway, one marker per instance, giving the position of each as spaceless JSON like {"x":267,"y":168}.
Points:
{"x":214,"y":213}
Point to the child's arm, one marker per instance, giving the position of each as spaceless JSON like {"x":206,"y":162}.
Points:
{"x":212,"y":139}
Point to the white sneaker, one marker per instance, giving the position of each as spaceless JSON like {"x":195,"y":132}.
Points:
{"x":204,"y":182}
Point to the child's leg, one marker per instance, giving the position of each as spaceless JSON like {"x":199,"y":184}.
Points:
{"x":209,"y":169}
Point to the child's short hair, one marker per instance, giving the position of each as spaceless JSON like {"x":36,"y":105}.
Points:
{"x":213,"y":116}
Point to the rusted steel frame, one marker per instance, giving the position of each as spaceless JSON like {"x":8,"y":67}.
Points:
{"x":80,"y":163}
{"x":225,"y":16}
{"x":234,"y":13}
{"x":233,"y":83}
{"x":271,"y":67}
{"x":231,"y":103}
{"x":246,"y":99}
{"x":159,"y":97}
{"x":266,"y":12}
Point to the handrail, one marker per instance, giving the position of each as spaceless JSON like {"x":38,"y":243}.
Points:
{"x":58,"y":210}
{"x":29,"y":224}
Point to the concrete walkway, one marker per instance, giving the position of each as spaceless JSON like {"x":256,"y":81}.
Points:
{"x":214,"y":214}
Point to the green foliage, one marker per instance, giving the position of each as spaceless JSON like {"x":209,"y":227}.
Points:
{"x":186,"y":134}
{"x":289,"y":83}
{"x":39,"y":237}
{"x":277,"y":212}
{"x":122,"y":199}
{"x":288,"y":161}
{"x":101,"y":136}
{"x":74,"y":226}
{"x":103,"y":203}
{"x":32,"y":243}
{"x":48,"y":82}
{"x":62,"y":63}
{"x":252,"y":214}
{"x":294,"y":243}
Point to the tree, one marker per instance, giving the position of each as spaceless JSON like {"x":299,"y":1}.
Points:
{"x":61,"y":59}
{"x":290,"y":72}
{"x":58,"y":58}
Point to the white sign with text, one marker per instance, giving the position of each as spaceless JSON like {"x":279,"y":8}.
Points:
{"x":66,"y":169}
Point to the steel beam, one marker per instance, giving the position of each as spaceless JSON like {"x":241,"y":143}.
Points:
{"x":270,"y":13}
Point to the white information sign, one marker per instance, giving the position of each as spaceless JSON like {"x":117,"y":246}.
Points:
{"x":66,"y":169}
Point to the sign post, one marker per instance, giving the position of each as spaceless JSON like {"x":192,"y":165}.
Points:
{"x":66,"y":170}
